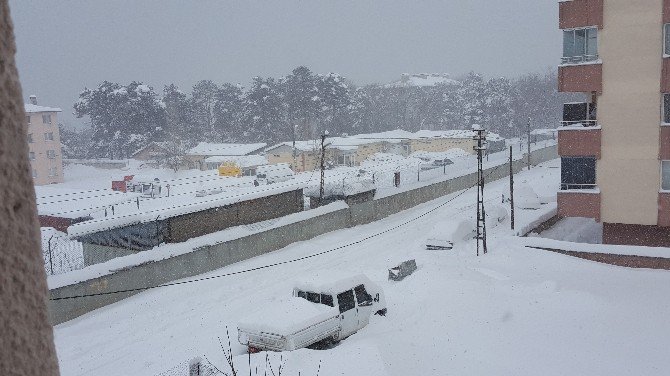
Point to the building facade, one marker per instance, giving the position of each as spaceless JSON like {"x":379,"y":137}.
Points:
{"x":615,"y":146}
{"x":45,"y":154}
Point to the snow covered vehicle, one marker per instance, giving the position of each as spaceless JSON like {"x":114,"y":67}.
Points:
{"x":328,"y":310}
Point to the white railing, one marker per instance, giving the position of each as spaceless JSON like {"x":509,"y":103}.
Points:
{"x":583,"y":123}
{"x":571,"y":186}
{"x":579,"y":59}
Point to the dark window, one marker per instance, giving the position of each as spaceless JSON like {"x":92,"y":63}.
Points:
{"x":346,"y":300}
{"x":302,"y":294}
{"x":362,"y":296}
{"x":327,"y":299}
{"x":313,"y":297}
{"x":666,"y":39}
{"x":665,"y":175}
{"x":666,"y":108}
{"x":578,"y":172}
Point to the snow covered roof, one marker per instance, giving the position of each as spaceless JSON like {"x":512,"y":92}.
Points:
{"x":73,"y":203}
{"x":207,"y":148}
{"x":33,"y":108}
{"x":239,"y":160}
{"x":423,"y":79}
{"x":394,"y":136}
{"x":195,"y":205}
{"x":157,"y":143}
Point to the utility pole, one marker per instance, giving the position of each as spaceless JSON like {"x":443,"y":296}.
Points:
{"x":511,"y":188}
{"x":480,"y":137}
{"x":295,"y":158}
{"x":51,"y":262}
{"x":323,"y":165}
{"x":528,"y":136}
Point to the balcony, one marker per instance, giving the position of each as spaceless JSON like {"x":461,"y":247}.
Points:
{"x":581,"y":59}
{"x":664,"y":209}
{"x":586,"y":77}
{"x":579,"y":134}
{"x":580,"y":13}
{"x":579,"y":203}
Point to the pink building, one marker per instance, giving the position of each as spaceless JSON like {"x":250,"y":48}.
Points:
{"x":45,"y":153}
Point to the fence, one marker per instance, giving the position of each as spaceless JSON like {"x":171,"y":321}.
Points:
{"x":61,"y":254}
{"x":212,"y":257}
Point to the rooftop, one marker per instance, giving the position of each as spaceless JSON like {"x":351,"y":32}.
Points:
{"x":207,"y":148}
{"x":33,"y":108}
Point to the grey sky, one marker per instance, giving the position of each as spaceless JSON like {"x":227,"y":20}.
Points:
{"x":64,"y":46}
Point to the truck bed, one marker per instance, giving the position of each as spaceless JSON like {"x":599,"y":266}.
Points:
{"x":288,"y":325}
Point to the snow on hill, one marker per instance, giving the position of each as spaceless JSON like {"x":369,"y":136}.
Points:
{"x":423,"y":79}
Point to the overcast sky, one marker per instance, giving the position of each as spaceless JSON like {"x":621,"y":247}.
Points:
{"x":66,"y":45}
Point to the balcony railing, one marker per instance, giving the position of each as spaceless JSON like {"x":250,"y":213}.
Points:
{"x":577,"y":123}
{"x":571,"y":186}
{"x":579,"y":59}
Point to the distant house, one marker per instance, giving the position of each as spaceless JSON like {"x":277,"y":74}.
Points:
{"x":45,"y":152}
{"x":352,"y":150}
{"x":153,"y":151}
{"x":196,"y":156}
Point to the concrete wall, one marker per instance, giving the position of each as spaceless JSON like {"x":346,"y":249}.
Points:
{"x":213,"y":257}
{"x":628,"y":174}
{"x":26,"y":337}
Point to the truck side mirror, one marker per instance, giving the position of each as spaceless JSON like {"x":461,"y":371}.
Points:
{"x":377,"y":297}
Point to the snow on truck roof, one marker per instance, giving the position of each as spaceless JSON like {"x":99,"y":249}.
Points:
{"x":331,"y":282}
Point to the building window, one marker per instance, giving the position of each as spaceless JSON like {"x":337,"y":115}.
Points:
{"x":53,"y":171}
{"x":30,"y":138}
{"x":28,"y":119}
{"x":665,"y":175}
{"x":31,"y":155}
{"x":580,"y":45}
{"x":666,"y":39}
{"x":346,"y":160}
{"x":34,"y":173}
{"x":46,"y":119}
{"x":666,"y":109}
{"x":51,"y":154}
{"x":578,"y":173}
{"x":49,"y":136}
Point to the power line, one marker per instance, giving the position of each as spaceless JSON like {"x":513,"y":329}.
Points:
{"x":267,"y":266}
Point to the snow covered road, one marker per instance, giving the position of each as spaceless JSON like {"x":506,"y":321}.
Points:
{"x":513,"y":311}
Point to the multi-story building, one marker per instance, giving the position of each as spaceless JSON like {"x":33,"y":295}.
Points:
{"x":615,"y":146}
{"x":44,"y":144}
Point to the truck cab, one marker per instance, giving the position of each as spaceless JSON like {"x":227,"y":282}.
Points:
{"x":319,"y":310}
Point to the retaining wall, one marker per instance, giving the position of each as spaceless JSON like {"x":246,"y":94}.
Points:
{"x":208,"y":258}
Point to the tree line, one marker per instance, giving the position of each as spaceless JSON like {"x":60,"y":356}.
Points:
{"x":302,"y":105}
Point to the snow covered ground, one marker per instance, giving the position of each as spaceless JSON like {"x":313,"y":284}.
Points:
{"x":514,"y":311}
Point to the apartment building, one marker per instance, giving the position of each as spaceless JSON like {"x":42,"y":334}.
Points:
{"x":615,"y":146}
{"x":45,"y":154}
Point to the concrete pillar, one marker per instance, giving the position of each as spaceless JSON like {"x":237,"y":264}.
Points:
{"x":26,"y":337}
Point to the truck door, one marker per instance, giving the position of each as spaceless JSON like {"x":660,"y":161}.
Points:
{"x":364,"y":306}
{"x":348,"y":313}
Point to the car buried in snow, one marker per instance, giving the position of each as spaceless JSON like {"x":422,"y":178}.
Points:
{"x":318,"y":312}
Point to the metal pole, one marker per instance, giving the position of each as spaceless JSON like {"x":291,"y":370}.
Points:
{"x":528,"y":135}
{"x":323,"y":157}
{"x":51,"y":263}
{"x":418,"y":172}
{"x":511,"y":188}
{"x":295,"y":158}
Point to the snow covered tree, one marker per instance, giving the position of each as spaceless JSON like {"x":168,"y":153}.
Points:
{"x":203,"y":98}
{"x":123,"y":118}
{"x":228,"y":110}
{"x":472,"y":100}
{"x":334,"y":94}
{"x":498,"y":112}
{"x":178,"y":114}
{"x":263,"y":112}
{"x":302,"y":100}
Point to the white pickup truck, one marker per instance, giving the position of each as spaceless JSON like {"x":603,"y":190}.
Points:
{"x":329,"y":310}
